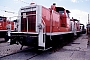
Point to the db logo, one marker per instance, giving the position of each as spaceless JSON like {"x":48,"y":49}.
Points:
{"x":0,"y":23}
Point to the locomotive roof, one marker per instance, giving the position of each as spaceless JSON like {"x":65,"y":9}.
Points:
{"x":2,"y":17}
{"x":61,"y":9}
{"x":28,"y":7}
{"x":15,"y":20}
{"x":81,"y":24}
{"x":71,"y":20}
{"x":75,"y":20}
{"x":88,"y":26}
{"x":67,"y":11}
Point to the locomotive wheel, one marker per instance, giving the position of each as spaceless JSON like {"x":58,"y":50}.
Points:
{"x":20,"y":40}
{"x":6,"y":38}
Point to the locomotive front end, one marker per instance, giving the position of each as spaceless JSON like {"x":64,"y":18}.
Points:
{"x":30,"y":27}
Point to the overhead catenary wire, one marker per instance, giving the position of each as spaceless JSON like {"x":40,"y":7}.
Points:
{"x":7,"y":7}
{"x":3,"y":6}
{"x":5,"y":10}
{"x":24,"y":2}
{"x":13,"y":9}
{"x":11,"y":12}
{"x":8,"y":11}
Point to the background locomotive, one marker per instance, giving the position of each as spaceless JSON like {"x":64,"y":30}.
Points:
{"x":5,"y":25}
{"x":88,"y":28}
{"x":43,"y":27}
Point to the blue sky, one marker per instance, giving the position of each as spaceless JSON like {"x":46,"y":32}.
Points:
{"x":79,"y":8}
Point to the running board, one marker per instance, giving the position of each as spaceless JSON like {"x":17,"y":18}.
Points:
{"x":45,"y":49}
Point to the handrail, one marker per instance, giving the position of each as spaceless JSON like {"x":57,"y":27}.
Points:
{"x":44,"y":25}
{"x":22,"y":15}
{"x":51,"y":16}
{"x":27,"y":23}
{"x":44,"y":28}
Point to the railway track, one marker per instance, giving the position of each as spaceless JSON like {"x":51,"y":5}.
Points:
{"x":26,"y":54}
{"x":7,"y":50}
{"x":31,"y":53}
{"x":23,"y":54}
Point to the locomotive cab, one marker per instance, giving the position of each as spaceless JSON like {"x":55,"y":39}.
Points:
{"x":62,"y":11}
{"x":2,"y":23}
{"x":3,"y":19}
{"x":77,"y":24}
{"x":82,"y":29}
{"x":64,"y":17}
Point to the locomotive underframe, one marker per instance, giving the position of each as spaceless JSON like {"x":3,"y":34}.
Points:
{"x":3,"y":33}
{"x":51,"y":40}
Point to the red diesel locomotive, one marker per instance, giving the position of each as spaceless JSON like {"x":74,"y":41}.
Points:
{"x":4,"y":23}
{"x":43,"y":27}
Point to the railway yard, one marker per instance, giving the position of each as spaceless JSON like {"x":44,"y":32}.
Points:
{"x":44,"y":33}
{"x":79,"y":49}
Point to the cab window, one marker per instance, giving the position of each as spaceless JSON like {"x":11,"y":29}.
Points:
{"x":0,"y":18}
{"x":68,"y":15}
{"x":61,"y":12}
